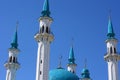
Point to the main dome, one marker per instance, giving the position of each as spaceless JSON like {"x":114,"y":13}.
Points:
{"x":62,"y":74}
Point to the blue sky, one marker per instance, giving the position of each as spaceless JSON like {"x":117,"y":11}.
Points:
{"x":84,"y":20}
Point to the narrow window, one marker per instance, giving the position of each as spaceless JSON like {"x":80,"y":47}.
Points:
{"x":41,"y":61}
{"x":110,"y":49}
{"x":13,"y":59}
{"x":47,"y":30}
{"x":42,"y":29}
{"x":40,"y":72}
{"x":114,"y":50}
{"x":10,"y":60}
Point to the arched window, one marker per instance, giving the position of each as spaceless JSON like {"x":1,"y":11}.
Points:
{"x":41,"y":61}
{"x":110,"y":49}
{"x":40,"y":72}
{"x":114,"y":50}
{"x":42,"y":29}
{"x":13,"y":59}
{"x":47,"y":30}
{"x":10,"y":60}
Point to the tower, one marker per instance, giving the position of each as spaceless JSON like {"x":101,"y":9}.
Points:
{"x":112,"y":57}
{"x":12,"y":64}
{"x":85,"y":75}
{"x":71,"y":65}
{"x":44,"y":37}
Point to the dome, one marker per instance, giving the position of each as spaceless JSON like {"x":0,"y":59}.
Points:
{"x":62,"y":74}
{"x":85,"y":73}
{"x":85,"y":70}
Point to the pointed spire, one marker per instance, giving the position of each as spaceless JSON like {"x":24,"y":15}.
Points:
{"x":71,"y":56}
{"x":110,"y":33}
{"x":59,"y":65}
{"x":46,"y":11}
{"x":85,"y":63}
{"x":14,"y":43}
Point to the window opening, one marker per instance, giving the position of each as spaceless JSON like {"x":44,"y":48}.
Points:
{"x":47,"y":30}
{"x":41,"y":61}
{"x":40,"y":72}
{"x":110,"y":49}
{"x":14,"y":59}
{"x":42,"y":29}
{"x":114,"y":50}
{"x":10,"y":60}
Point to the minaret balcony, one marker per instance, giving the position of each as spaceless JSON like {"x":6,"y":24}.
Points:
{"x":47,"y":36}
{"x":46,"y":18}
{"x":12,"y":65}
{"x":14,"y":50}
{"x":112,"y":55}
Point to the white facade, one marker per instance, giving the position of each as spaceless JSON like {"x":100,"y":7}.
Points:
{"x":12,"y":65}
{"x":112,"y":58}
{"x":44,"y":38}
{"x":72,"y":68}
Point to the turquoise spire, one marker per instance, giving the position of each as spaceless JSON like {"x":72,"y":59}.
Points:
{"x":46,"y":11}
{"x":110,"y":33}
{"x":14,"y":43}
{"x":71,"y":56}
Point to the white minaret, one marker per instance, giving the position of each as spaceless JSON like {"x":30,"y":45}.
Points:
{"x":12,"y":64}
{"x":44,"y":37}
{"x":112,"y":57}
{"x":71,"y":66}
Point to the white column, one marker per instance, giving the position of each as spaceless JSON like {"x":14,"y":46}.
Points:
{"x":44,"y":38}
{"x":72,"y":68}
{"x":112,"y":58}
{"x":113,"y":70}
{"x":12,"y":65}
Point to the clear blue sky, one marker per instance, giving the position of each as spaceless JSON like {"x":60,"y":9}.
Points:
{"x":84,"y":20}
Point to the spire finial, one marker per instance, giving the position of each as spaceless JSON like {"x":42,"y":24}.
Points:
{"x":46,"y":11}
{"x":85,"y":63}
{"x":110,"y":14}
{"x":17,"y":23}
{"x":60,"y":59}
{"x":14,"y":43}
{"x":72,"y":42}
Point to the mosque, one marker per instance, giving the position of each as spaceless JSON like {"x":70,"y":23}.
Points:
{"x":44,"y":38}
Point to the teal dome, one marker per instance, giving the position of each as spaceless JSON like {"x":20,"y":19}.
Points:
{"x":85,"y":73}
{"x":62,"y":74}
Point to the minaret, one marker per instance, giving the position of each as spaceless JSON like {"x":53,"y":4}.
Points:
{"x":71,"y":66}
{"x":112,"y":57}
{"x":44,"y":37}
{"x":85,"y":75}
{"x":12,"y":64}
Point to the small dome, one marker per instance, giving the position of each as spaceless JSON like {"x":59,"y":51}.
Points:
{"x":62,"y":74}
{"x":85,"y":73}
{"x":85,"y":70}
